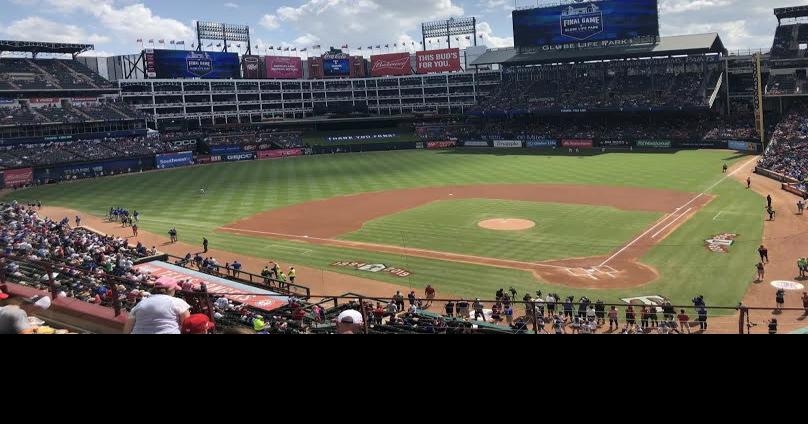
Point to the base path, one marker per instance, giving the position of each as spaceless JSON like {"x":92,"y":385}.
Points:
{"x":319,"y":221}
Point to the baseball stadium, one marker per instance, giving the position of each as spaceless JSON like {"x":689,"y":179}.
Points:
{"x":593,"y":178}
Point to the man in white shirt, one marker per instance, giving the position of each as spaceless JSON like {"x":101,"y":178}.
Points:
{"x":161,"y":313}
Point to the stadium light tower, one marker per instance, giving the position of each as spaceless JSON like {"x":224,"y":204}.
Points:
{"x":223,"y":32}
{"x":448,"y":28}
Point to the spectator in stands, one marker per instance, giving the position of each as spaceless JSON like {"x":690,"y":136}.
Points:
{"x":197,"y":324}
{"x":14,"y":314}
{"x":161,"y":313}
{"x":350,"y":322}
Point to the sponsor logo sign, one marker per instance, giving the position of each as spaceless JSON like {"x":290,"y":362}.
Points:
{"x":507,"y":144}
{"x":577,"y":143}
{"x":440,"y":144}
{"x":252,"y":66}
{"x":375,"y":268}
{"x":419,"y":145}
{"x":700,"y":144}
{"x":787,"y":285}
{"x":239,"y":156}
{"x":203,"y":159}
{"x":475,"y":143}
{"x":224,"y":150}
{"x":390,"y":65}
{"x":174,"y":160}
{"x":581,"y":22}
{"x":720,"y":243}
{"x":446,"y":60}
{"x":742,"y":146}
{"x":284,"y":67}
{"x":272,"y":154}
{"x":18,"y":177}
{"x":655,"y":144}
{"x":614,"y":143}
{"x":542,"y":143}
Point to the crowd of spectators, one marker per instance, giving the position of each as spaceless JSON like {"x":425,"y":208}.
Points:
{"x":50,"y":114}
{"x":48,"y":74}
{"x":673,"y":83}
{"x":787,"y":153}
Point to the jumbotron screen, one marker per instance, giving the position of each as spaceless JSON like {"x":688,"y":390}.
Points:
{"x":587,"y":24}
{"x":191,"y":64}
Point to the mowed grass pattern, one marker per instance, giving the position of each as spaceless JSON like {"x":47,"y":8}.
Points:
{"x":237,"y":190}
{"x":561,"y":231}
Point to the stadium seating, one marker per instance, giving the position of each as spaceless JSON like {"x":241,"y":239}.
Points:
{"x":49,"y":74}
{"x":787,"y":153}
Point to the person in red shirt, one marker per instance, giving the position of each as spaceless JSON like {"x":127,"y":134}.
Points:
{"x":378,"y":313}
{"x":430,"y":295}
{"x":684,"y":321}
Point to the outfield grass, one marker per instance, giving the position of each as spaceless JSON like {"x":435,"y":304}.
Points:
{"x":561,"y":231}
{"x":237,"y":190}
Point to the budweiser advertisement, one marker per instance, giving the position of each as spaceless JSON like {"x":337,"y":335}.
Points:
{"x":394,"y":64}
{"x":284,"y":67}
{"x":446,"y":60}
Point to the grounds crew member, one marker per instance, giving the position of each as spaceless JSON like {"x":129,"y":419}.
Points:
{"x":266,"y":273}
{"x":292,"y":275}
{"x":205,"y":245}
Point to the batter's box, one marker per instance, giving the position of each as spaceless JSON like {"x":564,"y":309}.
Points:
{"x":594,"y":272}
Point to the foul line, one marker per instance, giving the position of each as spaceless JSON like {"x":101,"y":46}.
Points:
{"x":698,"y":196}
{"x":717,"y":215}
{"x":672,"y":222}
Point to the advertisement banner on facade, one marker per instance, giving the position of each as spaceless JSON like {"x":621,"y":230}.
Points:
{"x":440,"y":144}
{"x":273,"y":154}
{"x":18,"y":177}
{"x":106,"y":168}
{"x":251,"y":67}
{"x":705,"y":144}
{"x":173,"y":160}
{"x":446,"y":60}
{"x":203,"y":159}
{"x":742,"y":146}
{"x":284,"y":67}
{"x":239,"y":156}
{"x":394,"y":64}
{"x":225,"y":150}
{"x":614,"y":143}
{"x":542,"y":143}
{"x":580,"y":143}
{"x":507,"y":144}
{"x":655,"y":144}
{"x":475,"y":143}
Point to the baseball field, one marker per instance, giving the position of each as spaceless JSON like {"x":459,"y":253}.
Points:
{"x":609,"y":226}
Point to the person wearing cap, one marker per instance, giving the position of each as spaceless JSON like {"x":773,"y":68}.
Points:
{"x":350,"y":322}
{"x":291,"y":275}
{"x":197,"y":324}
{"x":161,"y":313}
{"x":429,"y":292}
{"x":14,"y":315}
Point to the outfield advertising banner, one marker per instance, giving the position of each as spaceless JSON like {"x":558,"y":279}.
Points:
{"x":655,"y":144}
{"x":440,"y":144}
{"x":542,"y":143}
{"x":18,"y":177}
{"x":107,"y":168}
{"x":225,"y":150}
{"x":446,"y":60}
{"x":362,"y":137}
{"x":714,"y":144}
{"x":582,"y":143}
{"x":173,"y":160}
{"x":475,"y":144}
{"x":507,"y":144}
{"x":394,"y":64}
{"x":614,"y":143}
{"x":742,"y":146}
{"x":251,"y":67}
{"x":587,"y":24}
{"x":238,"y":157}
{"x":273,"y":154}
{"x":191,"y":64}
{"x":284,"y":67}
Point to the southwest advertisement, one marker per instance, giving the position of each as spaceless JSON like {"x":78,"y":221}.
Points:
{"x":283,"y":67}
{"x":394,"y":64}
{"x":587,"y":24}
{"x":446,"y":60}
{"x":173,"y":160}
{"x":190,"y":64}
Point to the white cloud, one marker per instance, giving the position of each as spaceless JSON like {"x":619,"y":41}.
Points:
{"x":489,"y":39}
{"x":270,"y":22}
{"x":36,"y":28}
{"x":231,"y":5}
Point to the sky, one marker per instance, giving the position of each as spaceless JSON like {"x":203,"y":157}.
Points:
{"x":114,"y":26}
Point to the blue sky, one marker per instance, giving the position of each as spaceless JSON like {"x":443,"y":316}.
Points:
{"x":115,"y":25}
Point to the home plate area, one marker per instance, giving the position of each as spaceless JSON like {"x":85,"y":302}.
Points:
{"x":595,"y":273}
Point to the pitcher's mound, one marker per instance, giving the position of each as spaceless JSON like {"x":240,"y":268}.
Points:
{"x":506,"y":224}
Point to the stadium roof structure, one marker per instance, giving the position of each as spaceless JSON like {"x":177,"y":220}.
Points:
{"x":667,"y":46}
{"x":36,"y":47}
{"x":791,"y":12}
